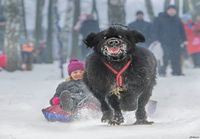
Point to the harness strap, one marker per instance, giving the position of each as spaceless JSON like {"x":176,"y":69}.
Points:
{"x":118,"y":79}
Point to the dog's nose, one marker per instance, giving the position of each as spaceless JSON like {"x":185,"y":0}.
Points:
{"x":113,"y":42}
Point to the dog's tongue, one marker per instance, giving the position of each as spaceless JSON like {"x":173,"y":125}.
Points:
{"x":113,"y":50}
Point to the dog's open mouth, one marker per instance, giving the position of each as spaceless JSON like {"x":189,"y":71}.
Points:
{"x":113,"y":50}
{"x":116,"y":53}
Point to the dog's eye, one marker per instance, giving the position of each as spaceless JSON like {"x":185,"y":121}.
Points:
{"x":104,"y":37}
{"x":120,"y":36}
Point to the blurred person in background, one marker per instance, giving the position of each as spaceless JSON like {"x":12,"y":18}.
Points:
{"x":169,"y":31}
{"x":27,"y":55}
{"x":85,"y":26}
{"x":142,"y":26}
{"x":196,"y":43}
{"x":41,"y":50}
{"x":188,"y":26}
{"x":192,"y":29}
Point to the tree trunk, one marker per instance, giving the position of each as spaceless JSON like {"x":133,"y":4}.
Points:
{"x":166,"y":4}
{"x":186,"y":7}
{"x":150,"y":11}
{"x":94,"y":10}
{"x":196,"y":6}
{"x":49,"y":47}
{"x":67,"y":32}
{"x":59,"y":39}
{"x":12,"y":34}
{"x":177,"y":3}
{"x":116,"y":12}
{"x":23,"y":20}
{"x":38,"y":34}
{"x":75,"y":35}
{"x":191,"y":6}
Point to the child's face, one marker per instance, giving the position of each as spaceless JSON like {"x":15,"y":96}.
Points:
{"x":77,"y":74}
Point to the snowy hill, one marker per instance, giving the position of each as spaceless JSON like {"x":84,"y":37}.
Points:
{"x":24,"y":94}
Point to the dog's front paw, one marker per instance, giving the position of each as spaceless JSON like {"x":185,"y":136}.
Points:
{"x":107,"y":116}
{"x":117,"y":119}
{"x":143,"y":122}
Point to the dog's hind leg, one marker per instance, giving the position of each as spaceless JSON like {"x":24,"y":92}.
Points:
{"x":117,"y":118}
{"x":141,"y":117}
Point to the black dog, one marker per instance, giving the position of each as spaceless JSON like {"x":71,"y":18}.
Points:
{"x":120,"y":74}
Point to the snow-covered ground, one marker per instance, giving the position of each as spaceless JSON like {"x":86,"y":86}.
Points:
{"x":24,"y":94}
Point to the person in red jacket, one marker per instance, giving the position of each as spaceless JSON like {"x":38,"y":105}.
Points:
{"x":3,"y":60}
{"x":196,"y":43}
{"x":193,"y":37}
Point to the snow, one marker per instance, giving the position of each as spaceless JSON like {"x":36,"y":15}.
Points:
{"x":24,"y":94}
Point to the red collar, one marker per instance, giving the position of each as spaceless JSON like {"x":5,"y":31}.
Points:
{"x":118,"y":79}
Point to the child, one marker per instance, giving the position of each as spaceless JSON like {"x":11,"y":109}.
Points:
{"x":72,"y":94}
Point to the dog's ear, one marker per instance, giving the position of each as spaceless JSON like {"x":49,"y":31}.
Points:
{"x":138,"y":37}
{"x":89,"y":40}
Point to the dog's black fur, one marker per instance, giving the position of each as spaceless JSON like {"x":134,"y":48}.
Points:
{"x":139,"y":78}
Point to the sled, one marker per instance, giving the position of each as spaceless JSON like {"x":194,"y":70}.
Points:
{"x":56,"y":113}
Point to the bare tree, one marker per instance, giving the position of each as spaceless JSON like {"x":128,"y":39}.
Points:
{"x":94,"y":10}
{"x":49,"y":47}
{"x":59,"y":39}
{"x":23,"y":20}
{"x":166,"y":3}
{"x":191,"y":6}
{"x":186,"y":7}
{"x":67,"y":29}
{"x":195,"y":6}
{"x":116,"y":12}
{"x":38,"y":35}
{"x":75,"y":35}
{"x":12,"y":34}
{"x":177,"y":3}
{"x":150,"y":10}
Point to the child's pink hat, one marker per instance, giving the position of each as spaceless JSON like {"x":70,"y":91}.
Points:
{"x":74,"y":65}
